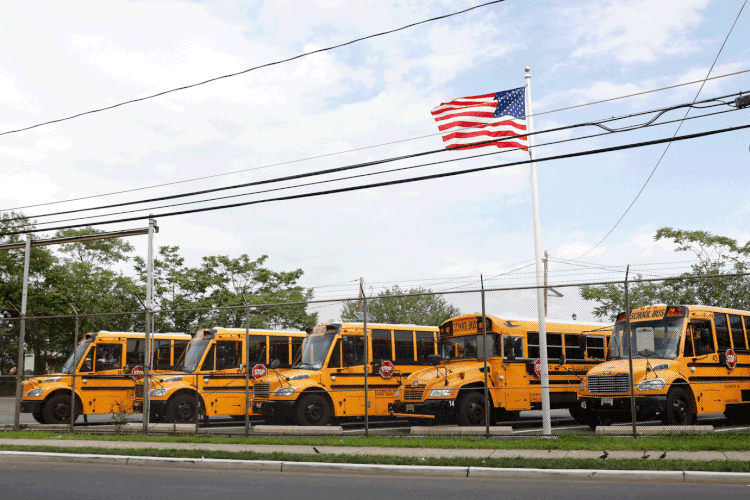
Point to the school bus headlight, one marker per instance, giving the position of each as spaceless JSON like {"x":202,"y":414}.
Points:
{"x":157,"y":393}
{"x":654,"y":384}
{"x":50,"y":380}
{"x":284,"y":391}
{"x":442,"y":393}
{"x":176,"y":378}
{"x":299,"y":376}
{"x":34,"y":393}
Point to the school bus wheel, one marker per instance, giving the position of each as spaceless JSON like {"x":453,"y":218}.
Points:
{"x":679,"y":407}
{"x":472,"y":410}
{"x":182,"y":408}
{"x":56,"y":409}
{"x":38,"y":417}
{"x":312,"y":409}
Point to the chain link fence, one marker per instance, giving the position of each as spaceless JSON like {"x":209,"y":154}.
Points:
{"x":461,"y":359}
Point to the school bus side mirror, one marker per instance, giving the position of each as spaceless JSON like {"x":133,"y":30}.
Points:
{"x":562,"y":359}
{"x":434,"y":359}
{"x":275,"y":364}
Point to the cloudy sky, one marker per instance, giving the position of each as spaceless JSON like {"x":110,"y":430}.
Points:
{"x":61,"y":58}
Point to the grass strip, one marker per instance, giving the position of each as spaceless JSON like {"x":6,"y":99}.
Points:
{"x":511,"y":462}
{"x":738,"y":441}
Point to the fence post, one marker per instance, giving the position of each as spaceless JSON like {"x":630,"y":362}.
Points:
{"x":197,"y":407}
{"x":487,"y":406}
{"x":366,"y":363}
{"x":75,"y":367}
{"x":630,"y":353}
{"x":22,"y":334}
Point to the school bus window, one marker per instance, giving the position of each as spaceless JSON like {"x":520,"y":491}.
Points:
{"x":425,"y":345}
{"x":722,"y":331}
{"x":353,"y":350}
{"x":738,"y":334}
{"x":655,"y":339}
{"x":179,"y":352}
{"x":108,"y":357}
{"x":514,"y":345}
{"x":315,"y":350}
{"x":88,"y":362}
{"x":296,"y":349}
{"x":162,"y":353}
{"x":135,"y":349}
{"x":595,"y":347}
{"x":688,"y":350}
{"x":209,"y":363}
{"x":381,"y":344}
{"x":335,"y":360}
{"x":554,"y":345}
{"x":533,"y":340}
{"x":747,"y":329}
{"x":404,"y":345}
{"x":573,"y":348}
{"x":72,"y":362}
{"x":256,"y":349}
{"x":227,"y":354}
{"x":279,"y":349}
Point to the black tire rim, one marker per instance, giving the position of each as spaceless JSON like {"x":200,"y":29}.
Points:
{"x":475,"y":412}
{"x":313,"y":413}
{"x":184,"y":412}
{"x":61,"y":411}
{"x":680,"y":411}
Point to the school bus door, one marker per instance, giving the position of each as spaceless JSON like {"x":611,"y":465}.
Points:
{"x":108,"y":387}
{"x":222,"y":382}
{"x":515,"y":382}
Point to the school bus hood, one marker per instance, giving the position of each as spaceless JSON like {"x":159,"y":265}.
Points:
{"x":640,"y":367}
{"x":295,"y":377}
{"x":459,"y":374}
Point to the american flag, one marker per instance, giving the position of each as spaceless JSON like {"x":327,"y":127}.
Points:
{"x":480,"y":118}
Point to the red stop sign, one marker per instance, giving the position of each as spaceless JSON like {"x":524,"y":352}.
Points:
{"x":259,"y":371}
{"x":386,"y":369}
{"x":137,"y":373}
{"x":731,"y":359}
{"x":538,"y":367}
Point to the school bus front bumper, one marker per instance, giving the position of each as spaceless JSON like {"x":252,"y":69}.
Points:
{"x":270,"y":409}
{"x":644,"y":405}
{"x":430,"y":408}
{"x":31,"y":406}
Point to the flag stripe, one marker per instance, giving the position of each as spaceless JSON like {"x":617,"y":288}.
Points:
{"x":467,"y":121}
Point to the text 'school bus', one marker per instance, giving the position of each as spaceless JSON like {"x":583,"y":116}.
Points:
{"x":328,"y":382}
{"x":106,"y":365}
{"x":686,"y":360}
{"x":452,"y":391}
{"x":211,"y":381}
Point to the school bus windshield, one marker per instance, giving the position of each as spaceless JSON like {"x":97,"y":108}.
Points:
{"x":653,"y":339}
{"x":193,"y":355}
{"x":314,"y":351}
{"x":468,"y":346}
{"x":70,"y":365}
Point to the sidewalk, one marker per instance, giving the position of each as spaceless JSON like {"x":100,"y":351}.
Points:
{"x":395,"y":452}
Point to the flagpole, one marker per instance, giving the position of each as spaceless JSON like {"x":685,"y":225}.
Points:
{"x":540,"y":292}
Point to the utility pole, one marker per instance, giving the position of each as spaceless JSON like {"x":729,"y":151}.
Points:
{"x":361,"y":292}
{"x":545,"y":260}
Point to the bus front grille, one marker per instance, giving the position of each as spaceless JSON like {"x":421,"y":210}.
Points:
{"x":262,"y":390}
{"x":414,"y":393}
{"x":609,"y":383}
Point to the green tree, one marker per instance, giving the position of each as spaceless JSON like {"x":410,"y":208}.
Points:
{"x":709,"y":282}
{"x":395,"y":305}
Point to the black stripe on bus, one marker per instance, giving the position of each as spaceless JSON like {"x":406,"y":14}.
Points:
{"x":719,"y":379}
{"x":84,"y":388}
{"x":362,"y":386}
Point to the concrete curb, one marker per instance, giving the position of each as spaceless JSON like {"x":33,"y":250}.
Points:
{"x":384,"y":470}
{"x":298,"y":430}
{"x":654,"y":430}
{"x":456,"y":430}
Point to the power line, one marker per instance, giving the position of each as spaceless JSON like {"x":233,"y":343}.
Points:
{"x":296,"y":186}
{"x":408,"y":180}
{"x":230,"y":75}
{"x":658,"y":111}
{"x":357,"y":149}
{"x":675,"y":134}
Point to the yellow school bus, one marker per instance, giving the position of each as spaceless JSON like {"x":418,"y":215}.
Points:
{"x":452,"y":391}
{"x":211,"y":380}
{"x":106,"y":366}
{"x":328,"y":382}
{"x":686,"y":360}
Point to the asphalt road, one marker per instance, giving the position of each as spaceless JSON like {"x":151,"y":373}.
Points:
{"x":39,"y":480}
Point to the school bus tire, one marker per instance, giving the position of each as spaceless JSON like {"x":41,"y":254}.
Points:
{"x":56,"y":409}
{"x":679,"y":407}
{"x":38,"y":417}
{"x":312,"y":409}
{"x":472,"y":409}
{"x":181,"y":409}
